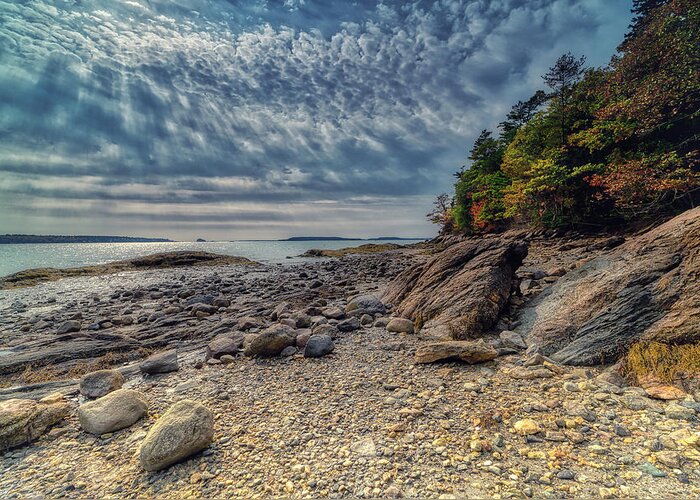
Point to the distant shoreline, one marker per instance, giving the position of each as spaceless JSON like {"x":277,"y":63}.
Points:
{"x":19,"y":239}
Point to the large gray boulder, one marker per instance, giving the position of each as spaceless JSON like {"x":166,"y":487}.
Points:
{"x":645,"y":289}
{"x":185,"y":429}
{"x":100,"y":383}
{"x":24,"y":420}
{"x":461,"y":291}
{"x":271,"y":341}
{"x":117,"y":410}
{"x":162,"y":362}
{"x":366,"y":303}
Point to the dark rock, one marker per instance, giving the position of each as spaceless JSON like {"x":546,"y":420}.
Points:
{"x":318,"y":346}
{"x":68,"y":327}
{"x":348,"y":325}
{"x":162,"y":362}
{"x":367,"y":304}
{"x":100,"y":383}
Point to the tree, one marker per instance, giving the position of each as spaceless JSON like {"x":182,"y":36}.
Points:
{"x":561,"y":78}
{"x":440,"y":213}
{"x":521,"y":113}
{"x":486,"y":154}
{"x":642,"y":10}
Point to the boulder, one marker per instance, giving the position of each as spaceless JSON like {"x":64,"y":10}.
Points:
{"x":185,"y":429}
{"x":366,"y":303}
{"x":117,"y":410}
{"x":325,"y":329}
{"x":460,"y":291}
{"x":68,"y":327}
{"x":162,"y":362}
{"x":468,"y":351}
{"x":223,"y":345}
{"x":24,"y":420}
{"x":400,"y":325}
{"x":271,"y":341}
{"x":318,"y":346}
{"x":348,"y":325}
{"x":333,"y":313}
{"x":221,"y":302}
{"x":248,"y":322}
{"x":100,"y":383}
{"x":644,"y":289}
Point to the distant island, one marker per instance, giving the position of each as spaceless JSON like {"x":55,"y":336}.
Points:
{"x":7,"y":239}
{"x":338,"y":238}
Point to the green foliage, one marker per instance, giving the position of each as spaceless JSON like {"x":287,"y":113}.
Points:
{"x":604,"y":143}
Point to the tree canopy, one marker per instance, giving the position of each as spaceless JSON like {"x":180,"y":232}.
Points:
{"x":602,"y":145}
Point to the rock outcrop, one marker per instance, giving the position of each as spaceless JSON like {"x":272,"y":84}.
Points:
{"x":646,"y":288}
{"x":460,"y":291}
{"x":24,"y":420}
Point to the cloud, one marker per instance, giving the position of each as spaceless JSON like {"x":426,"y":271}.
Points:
{"x":177,"y":103}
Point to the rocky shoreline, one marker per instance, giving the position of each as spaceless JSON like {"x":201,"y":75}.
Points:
{"x":364,"y":419}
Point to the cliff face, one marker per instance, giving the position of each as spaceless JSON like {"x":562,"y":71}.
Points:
{"x":647,"y":288}
{"x":460,"y":291}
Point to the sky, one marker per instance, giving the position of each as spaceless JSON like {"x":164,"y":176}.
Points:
{"x":227,"y":119}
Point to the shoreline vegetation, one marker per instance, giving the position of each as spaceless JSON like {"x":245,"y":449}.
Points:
{"x":31,"y":277}
{"x":598,"y":147}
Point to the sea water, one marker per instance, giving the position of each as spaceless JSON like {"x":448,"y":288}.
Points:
{"x":14,"y":258}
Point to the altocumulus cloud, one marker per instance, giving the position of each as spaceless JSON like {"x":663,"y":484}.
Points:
{"x":255,"y":118}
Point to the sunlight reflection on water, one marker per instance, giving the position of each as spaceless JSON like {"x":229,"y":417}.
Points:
{"x":14,"y":258}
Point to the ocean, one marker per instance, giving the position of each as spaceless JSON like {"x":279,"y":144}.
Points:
{"x":14,"y":258}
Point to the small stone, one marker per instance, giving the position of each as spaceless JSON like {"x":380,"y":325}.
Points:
{"x":364,"y":447}
{"x":566,"y":475}
{"x":288,"y":351}
{"x":526,"y":427}
{"x":621,"y":430}
{"x":68,"y":327}
{"x":651,"y":469}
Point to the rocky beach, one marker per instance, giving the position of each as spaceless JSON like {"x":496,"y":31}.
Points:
{"x":416,"y":372}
